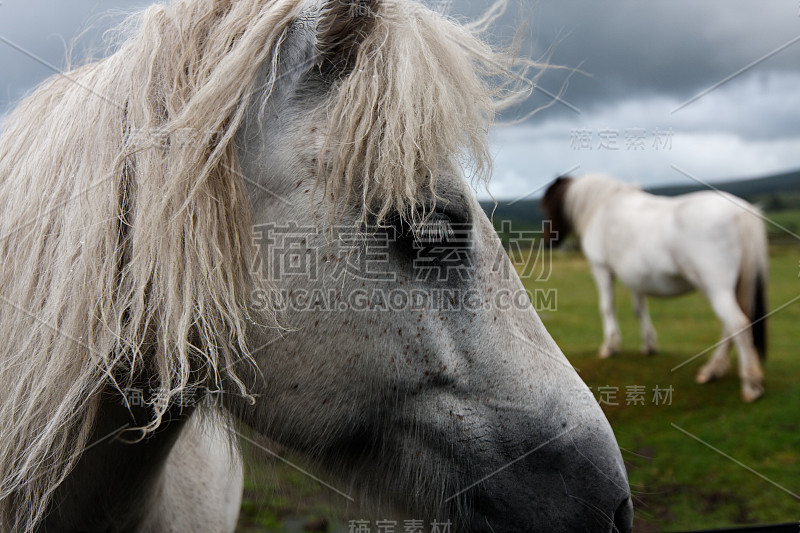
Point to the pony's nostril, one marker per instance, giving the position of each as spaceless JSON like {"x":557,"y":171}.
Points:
{"x":623,"y":517}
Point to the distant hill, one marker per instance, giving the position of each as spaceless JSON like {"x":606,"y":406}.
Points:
{"x":757,"y":190}
{"x":776,"y":193}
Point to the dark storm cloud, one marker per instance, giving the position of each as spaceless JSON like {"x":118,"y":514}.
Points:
{"x":639,"y":60}
{"x":626,"y":49}
{"x":631,"y":49}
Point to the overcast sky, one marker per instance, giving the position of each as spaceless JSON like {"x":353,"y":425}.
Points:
{"x":627,"y":110}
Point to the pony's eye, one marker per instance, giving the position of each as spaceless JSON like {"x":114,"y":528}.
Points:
{"x":443,"y":240}
{"x":438,"y":229}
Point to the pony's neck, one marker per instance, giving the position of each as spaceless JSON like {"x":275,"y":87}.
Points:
{"x":117,"y":477}
{"x":586,"y":195}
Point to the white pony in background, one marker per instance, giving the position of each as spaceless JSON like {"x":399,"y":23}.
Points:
{"x":659,"y":246}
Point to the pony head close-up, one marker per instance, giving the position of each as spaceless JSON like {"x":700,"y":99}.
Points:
{"x":271,"y":200}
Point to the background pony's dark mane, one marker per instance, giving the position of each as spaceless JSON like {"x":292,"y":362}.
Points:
{"x":553,"y":203}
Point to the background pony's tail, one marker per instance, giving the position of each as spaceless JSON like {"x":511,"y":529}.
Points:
{"x":751,"y":290}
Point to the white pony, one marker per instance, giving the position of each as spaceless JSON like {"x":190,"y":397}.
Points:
{"x":660,"y":246}
{"x":266,"y":199}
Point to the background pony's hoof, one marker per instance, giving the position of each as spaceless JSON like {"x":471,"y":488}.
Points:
{"x":649,"y":350}
{"x":705,"y":376}
{"x":752,"y":392}
{"x":606,"y":352}
{"x":710,"y":372}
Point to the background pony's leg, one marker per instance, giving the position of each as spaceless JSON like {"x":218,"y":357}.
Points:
{"x":649,"y":343}
{"x":737,"y":325}
{"x":719,"y":362}
{"x":612,"y":338}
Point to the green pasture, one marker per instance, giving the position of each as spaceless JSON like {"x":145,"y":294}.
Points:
{"x":678,"y":482}
{"x":784,"y":226}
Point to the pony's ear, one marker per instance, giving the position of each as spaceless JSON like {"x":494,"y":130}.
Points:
{"x":341,"y":27}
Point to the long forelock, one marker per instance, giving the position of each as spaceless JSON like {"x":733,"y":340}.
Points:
{"x":416,"y":106}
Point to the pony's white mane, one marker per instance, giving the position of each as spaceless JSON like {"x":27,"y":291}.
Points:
{"x":125,"y":248}
{"x":586,"y":194}
{"x":125,"y":237}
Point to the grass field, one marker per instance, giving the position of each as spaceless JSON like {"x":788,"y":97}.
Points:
{"x":678,"y":482}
